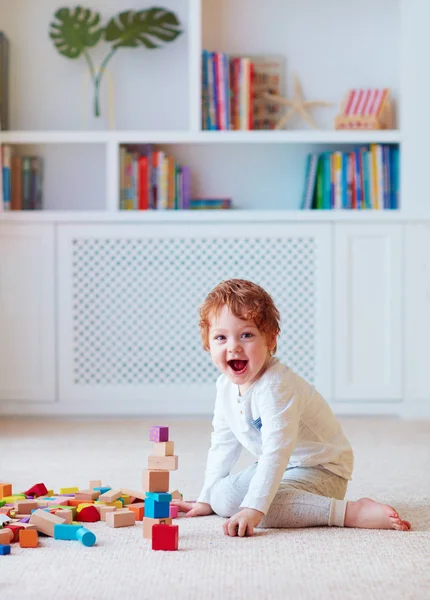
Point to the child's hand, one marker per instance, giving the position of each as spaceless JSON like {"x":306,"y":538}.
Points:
{"x":243,"y":522}
{"x":193,"y":509}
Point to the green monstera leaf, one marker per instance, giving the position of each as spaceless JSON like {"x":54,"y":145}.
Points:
{"x":131,"y":29}
{"x":75,"y":30}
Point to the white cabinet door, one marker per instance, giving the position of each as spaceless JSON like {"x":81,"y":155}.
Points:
{"x":27,"y":315}
{"x":417,"y":312}
{"x":128,"y":307}
{"x":368,"y":312}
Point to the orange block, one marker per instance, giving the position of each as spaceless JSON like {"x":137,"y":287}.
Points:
{"x":28,"y":538}
{"x":139,"y":510}
{"x":5,"y":490}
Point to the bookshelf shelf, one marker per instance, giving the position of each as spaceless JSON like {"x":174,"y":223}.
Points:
{"x":198,"y":137}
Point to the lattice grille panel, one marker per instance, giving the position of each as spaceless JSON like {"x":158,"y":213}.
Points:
{"x":136,"y":301}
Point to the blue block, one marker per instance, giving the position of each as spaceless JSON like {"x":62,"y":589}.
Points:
{"x":85,"y":536}
{"x":102,"y":490}
{"x":156,"y":510}
{"x":4,"y":549}
{"x":159,"y":496}
{"x":66,"y":531}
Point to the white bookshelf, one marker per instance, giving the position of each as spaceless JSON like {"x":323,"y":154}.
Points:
{"x":82,"y":155}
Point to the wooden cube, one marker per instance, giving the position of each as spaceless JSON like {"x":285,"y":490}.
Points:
{"x":6,"y":536}
{"x":165,"y":537}
{"x":165,"y":463}
{"x":119,"y":518}
{"x":176,"y":495}
{"x":174,"y":511}
{"x":28,"y":538}
{"x":5,"y":490}
{"x":158,"y":434}
{"x":164,"y":448}
{"x":96,"y":483}
{"x":139,"y":510}
{"x":65,"y":514}
{"x":149,"y":523}
{"x":103,"y":510}
{"x":155,"y":480}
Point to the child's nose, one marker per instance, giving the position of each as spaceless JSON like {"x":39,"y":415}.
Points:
{"x":235,"y":347}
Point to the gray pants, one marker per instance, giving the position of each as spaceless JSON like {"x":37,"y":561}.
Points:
{"x":307,"y":497}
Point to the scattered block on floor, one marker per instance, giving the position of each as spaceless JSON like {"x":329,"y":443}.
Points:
{"x":155,"y":480}
{"x":65,"y":514}
{"x":88,"y":514}
{"x":5,"y":490}
{"x":86,"y":537}
{"x":6,"y":536}
{"x":149,"y":523}
{"x":103,"y":510}
{"x":45,"y":521}
{"x":164,"y":448}
{"x":15,"y":529}
{"x":165,"y":463}
{"x":69,"y":490}
{"x":110,"y":496}
{"x":158,"y":433}
{"x":165,"y":537}
{"x":4,"y":549}
{"x":28,"y":538}
{"x":139,"y":510}
{"x":96,"y":483}
{"x":66,"y":531}
{"x":120,"y":518}
{"x":176,"y":495}
{"x":25,"y":507}
{"x":174,"y":511}
{"x":87,"y":495}
{"x":139,"y":494}
{"x":39,"y":489}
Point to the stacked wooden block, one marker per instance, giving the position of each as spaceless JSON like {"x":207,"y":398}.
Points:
{"x":157,"y":523}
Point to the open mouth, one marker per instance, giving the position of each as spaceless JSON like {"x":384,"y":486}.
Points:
{"x":238,"y":366}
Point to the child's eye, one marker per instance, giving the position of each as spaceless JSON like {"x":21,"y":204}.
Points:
{"x":247,"y":335}
{"x":219,"y":337}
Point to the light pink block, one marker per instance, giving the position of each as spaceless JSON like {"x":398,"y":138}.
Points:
{"x":174,"y":511}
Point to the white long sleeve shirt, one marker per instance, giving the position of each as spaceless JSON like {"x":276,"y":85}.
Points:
{"x":284,"y":422}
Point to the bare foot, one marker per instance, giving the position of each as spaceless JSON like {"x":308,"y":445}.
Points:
{"x":368,"y":514}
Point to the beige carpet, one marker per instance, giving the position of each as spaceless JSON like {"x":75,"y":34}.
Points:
{"x":392,"y":465}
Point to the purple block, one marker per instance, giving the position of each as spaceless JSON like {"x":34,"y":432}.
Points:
{"x":24,"y":520}
{"x":158,"y":434}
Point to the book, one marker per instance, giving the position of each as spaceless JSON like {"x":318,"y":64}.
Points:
{"x":4,"y":82}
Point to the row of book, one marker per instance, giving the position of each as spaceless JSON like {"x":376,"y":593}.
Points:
{"x":233,"y":89}
{"x":21,"y":181}
{"x":364,"y":178}
{"x":150,"y":179}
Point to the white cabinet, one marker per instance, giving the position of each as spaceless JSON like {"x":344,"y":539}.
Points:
{"x":27,"y":313}
{"x":417,"y":312}
{"x":368,"y":312}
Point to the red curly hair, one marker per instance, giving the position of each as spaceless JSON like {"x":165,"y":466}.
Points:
{"x":247,"y":301}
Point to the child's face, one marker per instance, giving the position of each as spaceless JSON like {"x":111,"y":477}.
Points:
{"x":238,"y":349}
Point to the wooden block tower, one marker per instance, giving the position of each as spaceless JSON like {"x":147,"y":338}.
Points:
{"x":156,"y":488}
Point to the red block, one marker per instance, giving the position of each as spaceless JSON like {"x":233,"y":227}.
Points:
{"x":15,"y":528}
{"x":39,"y":489}
{"x":165,"y":537}
{"x":89,"y":514}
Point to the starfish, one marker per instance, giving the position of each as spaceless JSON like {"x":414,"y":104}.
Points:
{"x":298,"y":105}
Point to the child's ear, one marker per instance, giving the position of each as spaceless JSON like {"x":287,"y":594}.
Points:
{"x":271,"y":342}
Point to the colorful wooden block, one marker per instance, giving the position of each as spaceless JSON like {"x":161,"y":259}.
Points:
{"x":149,"y":523}
{"x":39,"y":489}
{"x":6,"y":536}
{"x":66,"y":531}
{"x":140,"y":494}
{"x":158,"y":433}
{"x":65,"y":514}
{"x":25,"y":507}
{"x":88,"y":514}
{"x":87,"y":495}
{"x":5,"y":490}
{"x":120,"y":519}
{"x":139,"y":510}
{"x":102,"y":489}
{"x":174,"y":511}
{"x":103,"y":510}
{"x":96,"y":483}
{"x":156,"y":510}
{"x":110,"y":496}
{"x":159,"y":496}
{"x":28,"y":538}
{"x":45,"y":522}
{"x":69,"y":490}
{"x":165,"y":463}
{"x":15,"y":528}
{"x":4,"y":549}
{"x":155,"y":480}
{"x":164,"y":448}
{"x":86,"y":537}
{"x":176,"y":495}
{"x":165,"y":537}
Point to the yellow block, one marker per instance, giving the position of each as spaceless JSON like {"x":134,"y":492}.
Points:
{"x":126,"y":499}
{"x":12,"y":499}
{"x":70,"y":490}
{"x":84,"y":504}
